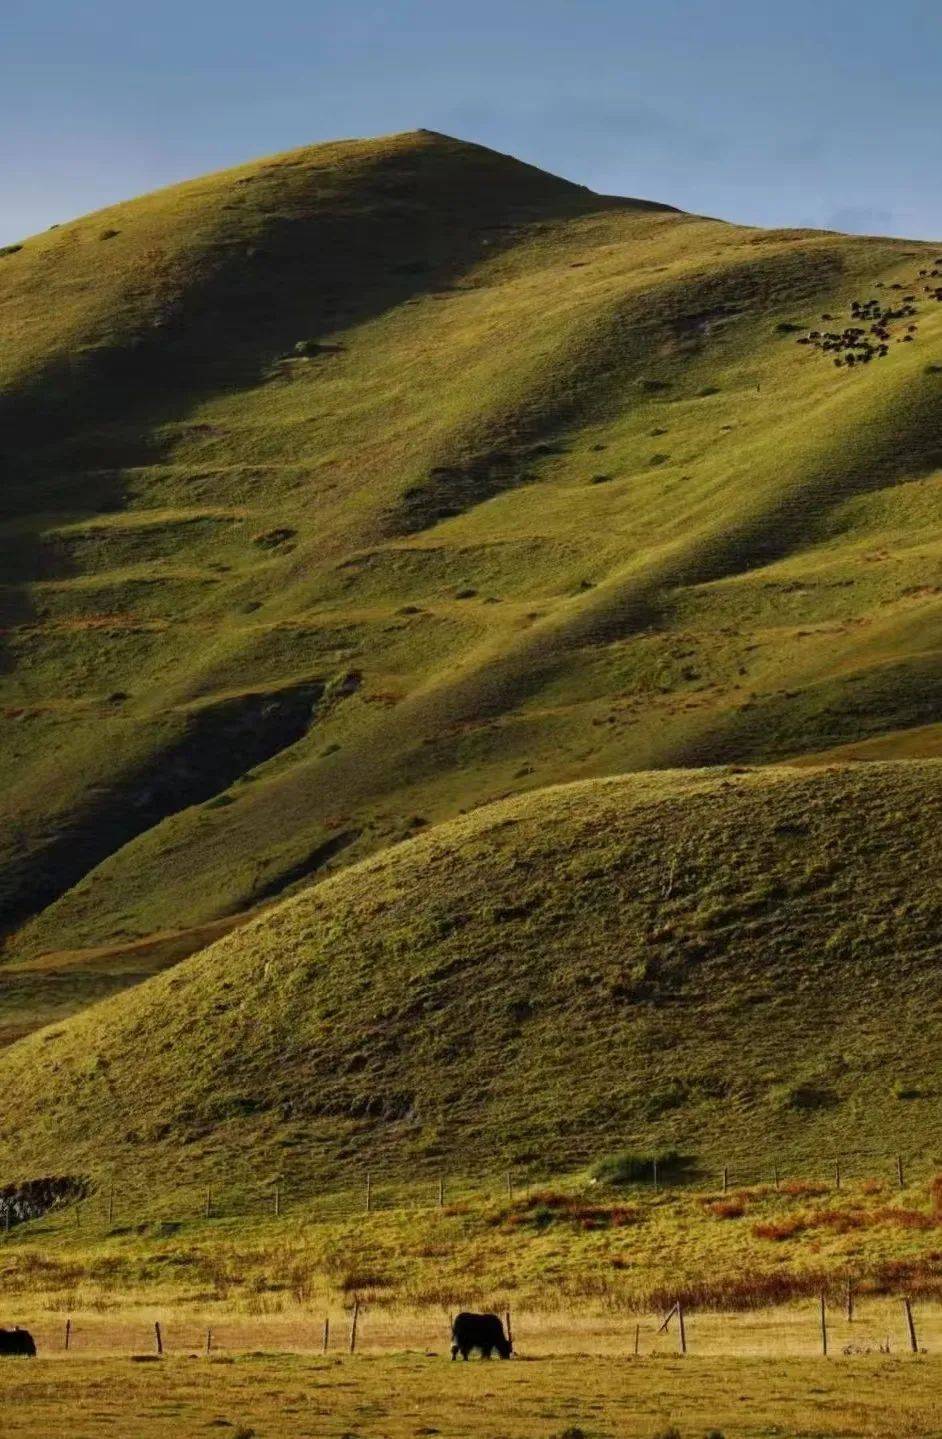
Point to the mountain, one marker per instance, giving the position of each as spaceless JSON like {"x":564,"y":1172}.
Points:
{"x":353,"y":489}
{"x":739,"y":964}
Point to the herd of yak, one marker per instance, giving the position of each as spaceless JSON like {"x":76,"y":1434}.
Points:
{"x":868,"y":336}
{"x":484,"y":1332}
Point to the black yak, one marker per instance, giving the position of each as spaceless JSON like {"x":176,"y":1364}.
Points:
{"x":17,"y":1341}
{"x":479,"y":1331}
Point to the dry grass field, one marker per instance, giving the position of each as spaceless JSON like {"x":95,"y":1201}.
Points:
{"x":787,"y":1332}
{"x":411,"y":1394}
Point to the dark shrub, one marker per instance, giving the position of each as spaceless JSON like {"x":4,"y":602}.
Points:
{"x":629,"y":1168}
{"x":803,"y":1097}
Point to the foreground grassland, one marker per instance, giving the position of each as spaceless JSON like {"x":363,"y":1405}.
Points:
{"x":548,"y":492}
{"x":408,"y":1395}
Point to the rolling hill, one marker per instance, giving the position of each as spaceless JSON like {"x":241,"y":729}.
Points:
{"x":356,"y":488}
{"x":528,"y":566}
{"x":738,"y":964}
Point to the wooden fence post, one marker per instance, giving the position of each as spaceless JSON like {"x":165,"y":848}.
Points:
{"x":850,"y":1301}
{"x":68,"y":1332}
{"x":369,"y":1191}
{"x":654,"y":1174}
{"x":837,"y":1174}
{"x":326,"y":1333}
{"x":683,"y":1331}
{"x":277,"y":1201}
{"x":637,"y":1338}
{"x":441,"y":1191}
{"x":209,"y":1340}
{"x":907,"y":1308}
{"x":510,"y":1187}
{"x":824,"y":1329}
{"x":899,"y":1171}
{"x":510,"y":1333}
{"x":353,"y":1325}
{"x":725,"y":1178}
{"x":208,"y":1204}
{"x":158,"y":1337}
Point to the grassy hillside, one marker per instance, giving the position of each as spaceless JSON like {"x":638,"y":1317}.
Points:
{"x":352,"y":489}
{"x":736,"y":964}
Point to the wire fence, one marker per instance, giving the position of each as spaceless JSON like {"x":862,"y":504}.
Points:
{"x":815,"y":1326}
{"x":112,"y":1206}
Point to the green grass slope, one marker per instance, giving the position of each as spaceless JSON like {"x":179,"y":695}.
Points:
{"x":740,"y":964}
{"x":548,"y":492}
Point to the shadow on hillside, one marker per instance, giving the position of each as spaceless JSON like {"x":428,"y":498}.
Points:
{"x":28,"y":552}
{"x":416,"y":221}
{"x":859,"y":705}
{"x":194,"y":758}
{"x":290,"y":268}
{"x":415,"y":225}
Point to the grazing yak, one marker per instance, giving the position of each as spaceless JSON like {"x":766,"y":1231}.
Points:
{"x":479,"y":1331}
{"x":17,"y":1341}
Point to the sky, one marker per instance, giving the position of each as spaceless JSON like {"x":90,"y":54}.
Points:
{"x":797,"y":112}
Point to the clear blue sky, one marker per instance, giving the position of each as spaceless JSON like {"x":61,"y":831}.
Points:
{"x":797,"y":112}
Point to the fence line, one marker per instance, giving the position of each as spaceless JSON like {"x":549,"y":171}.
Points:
{"x":106,"y":1208}
{"x":813,"y":1327}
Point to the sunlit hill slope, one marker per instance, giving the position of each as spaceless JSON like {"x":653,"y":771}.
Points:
{"x":352,"y":489}
{"x":741,"y":965}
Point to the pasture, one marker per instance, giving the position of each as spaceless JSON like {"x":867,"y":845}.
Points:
{"x":411,"y":1393}
{"x":242,"y":1303}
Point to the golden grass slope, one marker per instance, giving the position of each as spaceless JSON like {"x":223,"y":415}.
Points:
{"x":549,"y":493}
{"x":740,"y":964}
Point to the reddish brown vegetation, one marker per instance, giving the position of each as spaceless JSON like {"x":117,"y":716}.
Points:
{"x":726,"y":1208}
{"x":807,"y":1188}
{"x":905,"y":1218}
{"x":753,"y":1289}
{"x":841,"y":1221}
{"x":785,"y":1228}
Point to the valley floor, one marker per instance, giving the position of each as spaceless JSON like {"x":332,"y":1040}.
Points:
{"x":402,"y":1395}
